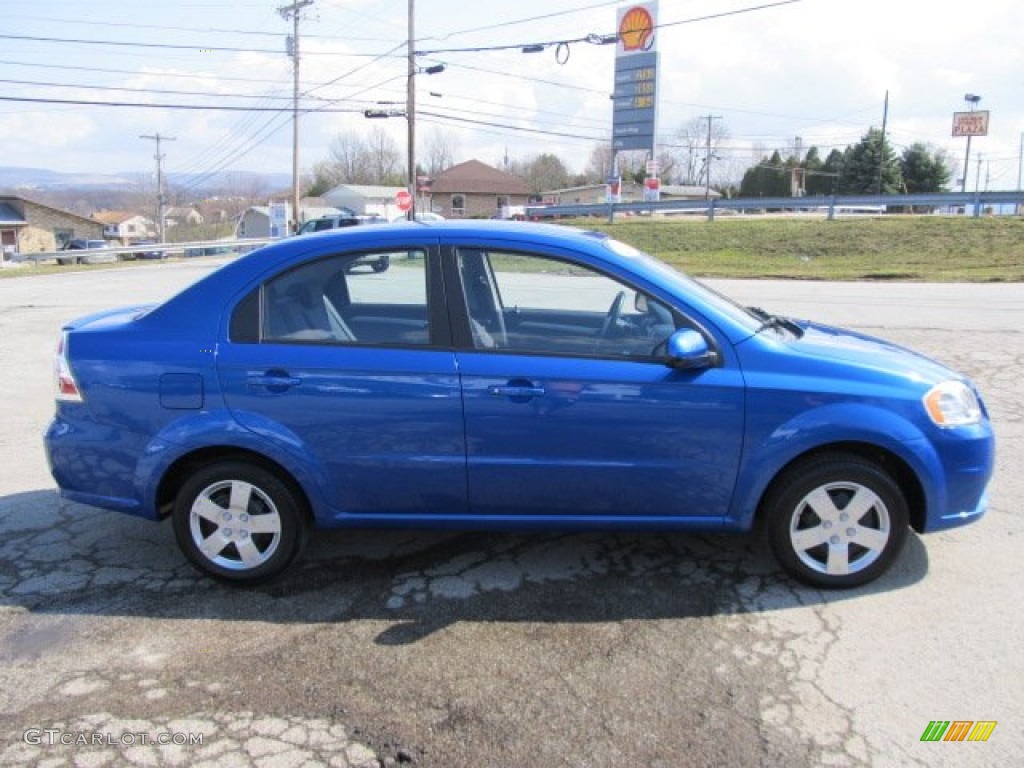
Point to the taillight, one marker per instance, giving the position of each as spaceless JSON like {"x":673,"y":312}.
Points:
{"x":67,"y":388}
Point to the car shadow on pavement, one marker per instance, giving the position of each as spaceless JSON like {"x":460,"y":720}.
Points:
{"x":57,"y":557}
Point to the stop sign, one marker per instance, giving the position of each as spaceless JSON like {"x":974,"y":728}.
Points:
{"x":403,"y":200}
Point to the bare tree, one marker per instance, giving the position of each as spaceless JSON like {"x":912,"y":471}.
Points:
{"x":438,"y":152}
{"x":347,"y":159}
{"x":599,"y":166}
{"x":691,"y":147}
{"x":545,"y":172}
{"x":354,"y":160}
{"x":385,"y":159}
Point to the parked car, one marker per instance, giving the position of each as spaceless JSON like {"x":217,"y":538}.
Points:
{"x":95,"y":255}
{"x":209,"y":250}
{"x":338,"y":221}
{"x":512,"y":375}
{"x":148,"y":251}
{"x":420,"y":216}
{"x":377,"y":263}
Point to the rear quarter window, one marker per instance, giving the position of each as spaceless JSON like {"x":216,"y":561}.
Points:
{"x":245,"y":320}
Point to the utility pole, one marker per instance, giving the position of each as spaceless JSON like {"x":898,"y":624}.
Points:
{"x":881,"y":146}
{"x":972,"y":100}
{"x":294,"y":12}
{"x":707,"y":159}
{"x":410,"y":112}
{"x":1020,"y":171}
{"x":159,"y":182}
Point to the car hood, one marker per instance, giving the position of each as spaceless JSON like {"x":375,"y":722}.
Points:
{"x":877,"y":356}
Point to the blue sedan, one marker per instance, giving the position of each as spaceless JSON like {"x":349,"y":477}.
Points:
{"x":504,"y":376}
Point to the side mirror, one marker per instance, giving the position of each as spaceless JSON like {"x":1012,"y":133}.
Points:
{"x":687,"y":349}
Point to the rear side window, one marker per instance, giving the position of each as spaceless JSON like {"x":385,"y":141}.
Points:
{"x":366,"y":299}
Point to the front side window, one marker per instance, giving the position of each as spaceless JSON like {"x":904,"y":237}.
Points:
{"x":368,"y":299}
{"x":540,"y":305}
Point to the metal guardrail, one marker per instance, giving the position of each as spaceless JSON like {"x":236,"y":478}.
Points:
{"x":169,"y":249}
{"x":830,"y":205}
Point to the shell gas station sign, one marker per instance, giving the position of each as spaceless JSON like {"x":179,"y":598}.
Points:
{"x":636,"y":78}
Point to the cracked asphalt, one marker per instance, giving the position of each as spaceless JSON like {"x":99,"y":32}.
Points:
{"x":467,"y":649}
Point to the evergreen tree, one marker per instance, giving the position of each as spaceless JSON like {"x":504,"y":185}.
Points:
{"x":872,"y":167}
{"x":832,"y":173}
{"x":769,"y":178}
{"x":923,"y":170}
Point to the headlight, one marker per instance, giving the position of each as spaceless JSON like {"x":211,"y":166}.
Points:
{"x":952,"y":404}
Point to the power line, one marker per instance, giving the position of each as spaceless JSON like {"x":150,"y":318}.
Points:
{"x":520,"y":129}
{"x":164,"y":28}
{"x":527,"y":20}
{"x":599,"y":39}
{"x":173,"y":46}
{"x":107,"y":70}
{"x":83,"y":86}
{"x":196,"y":107}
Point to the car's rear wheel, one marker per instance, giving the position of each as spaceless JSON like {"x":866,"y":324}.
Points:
{"x":836,"y":521}
{"x":381,"y":264}
{"x":239,"y":523}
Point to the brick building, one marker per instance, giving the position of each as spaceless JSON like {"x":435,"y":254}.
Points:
{"x":476,"y":190}
{"x":30,"y":227}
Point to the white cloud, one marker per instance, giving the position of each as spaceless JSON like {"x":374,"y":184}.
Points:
{"x":818,"y":69}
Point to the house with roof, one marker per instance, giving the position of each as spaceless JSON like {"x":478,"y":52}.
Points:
{"x":125,"y":226}
{"x":30,"y":227}
{"x":182,"y":216}
{"x":476,"y":190}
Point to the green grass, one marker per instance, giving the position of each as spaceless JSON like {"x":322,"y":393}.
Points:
{"x":911,"y":248}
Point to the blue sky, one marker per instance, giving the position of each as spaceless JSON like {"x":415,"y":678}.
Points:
{"x":818,"y":69}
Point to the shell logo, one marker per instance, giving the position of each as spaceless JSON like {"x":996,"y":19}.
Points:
{"x":636,"y":30}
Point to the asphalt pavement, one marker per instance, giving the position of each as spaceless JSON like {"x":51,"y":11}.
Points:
{"x":468,"y":649}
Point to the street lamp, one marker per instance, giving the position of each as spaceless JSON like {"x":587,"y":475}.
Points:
{"x":972,"y":100}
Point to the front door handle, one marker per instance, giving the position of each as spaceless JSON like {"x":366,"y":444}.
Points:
{"x":516,"y":390}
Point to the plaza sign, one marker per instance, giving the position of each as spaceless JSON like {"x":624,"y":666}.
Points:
{"x":970,"y":123}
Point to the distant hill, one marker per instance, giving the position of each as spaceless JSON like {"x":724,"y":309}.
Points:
{"x":15,"y":179}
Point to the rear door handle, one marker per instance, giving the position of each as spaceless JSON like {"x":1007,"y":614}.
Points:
{"x":274,"y":381}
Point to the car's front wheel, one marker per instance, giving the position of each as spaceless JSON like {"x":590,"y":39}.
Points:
{"x":836,"y":521}
{"x":239,"y":523}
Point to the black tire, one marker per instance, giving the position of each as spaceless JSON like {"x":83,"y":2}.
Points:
{"x":816,"y":536}
{"x":260,"y":531}
{"x":382,"y":264}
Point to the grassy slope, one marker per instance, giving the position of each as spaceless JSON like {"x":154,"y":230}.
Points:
{"x":928,"y":248}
